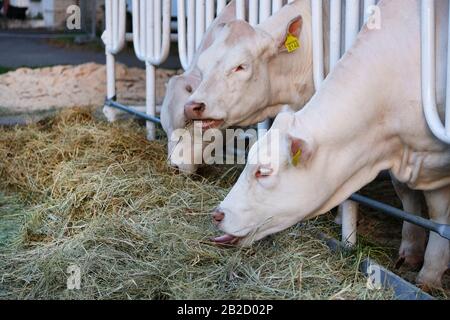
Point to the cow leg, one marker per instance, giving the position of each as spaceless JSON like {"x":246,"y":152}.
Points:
{"x":412,"y":247}
{"x":437,"y":255}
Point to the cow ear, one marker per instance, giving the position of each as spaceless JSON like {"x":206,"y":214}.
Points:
{"x":290,"y":40}
{"x":301,"y":151}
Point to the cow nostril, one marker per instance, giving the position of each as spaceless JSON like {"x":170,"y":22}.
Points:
{"x":218,"y":216}
{"x":194,"y":110}
{"x":199,"y":107}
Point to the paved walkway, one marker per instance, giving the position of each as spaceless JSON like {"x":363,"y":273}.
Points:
{"x":31,"y":49}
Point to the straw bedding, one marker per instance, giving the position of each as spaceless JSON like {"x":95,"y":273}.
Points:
{"x":75,"y":190}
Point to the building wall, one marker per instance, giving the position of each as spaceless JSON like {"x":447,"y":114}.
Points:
{"x":20,"y":3}
{"x":54,"y":12}
{"x":35,"y":9}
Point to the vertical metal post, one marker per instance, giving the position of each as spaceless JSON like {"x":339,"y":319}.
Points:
{"x":114,"y":39}
{"x":428,"y":17}
{"x":266,"y":8}
{"x":210,"y":12}
{"x":317,"y":42}
{"x":335,"y":32}
{"x":447,"y":103}
{"x":191,"y":30}
{"x":253,"y":12}
{"x":240,"y":9}
{"x":151,"y":39}
{"x":200,"y":10}
{"x":351,"y":22}
{"x":220,"y":5}
{"x":367,"y":5}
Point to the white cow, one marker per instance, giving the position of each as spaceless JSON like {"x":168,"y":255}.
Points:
{"x":366,"y":117}
{"x":180,"y":88}
{"x":248,"y":74}
{"x":241,"y":81}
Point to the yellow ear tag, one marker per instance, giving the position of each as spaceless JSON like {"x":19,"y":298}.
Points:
{"x":291,"y":43}
{"x":296,"y":158}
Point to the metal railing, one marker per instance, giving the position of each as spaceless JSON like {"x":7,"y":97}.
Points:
{"x":200,"y":15}
{"x":151,"y":39}
{"x":440,"y":130}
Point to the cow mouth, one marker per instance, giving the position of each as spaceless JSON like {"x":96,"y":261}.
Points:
{"x":226,"y":239}
{"x":211,"y":124}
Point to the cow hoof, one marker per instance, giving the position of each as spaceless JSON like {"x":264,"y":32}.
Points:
{"x":427,"y":284}
{"x":400,"y":261}
{"x":413,"y":260}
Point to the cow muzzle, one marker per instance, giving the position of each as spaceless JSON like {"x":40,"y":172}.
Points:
{"x":194,"y":110}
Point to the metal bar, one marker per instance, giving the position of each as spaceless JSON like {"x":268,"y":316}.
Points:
{"x":441,"y":229}
{"x":220,"y":5}
{"x":367,"y":5}
{"x":240,"y":9}
{"x":335,"y":32}
{"x":351,"y":22}
{"x":429,"y":72}
{"x":403,"y":290}
{"x":157,"y":12}
{"x":110,"y":75}
{"x":265,"y":10}
{"x":191,"y":30}
{"x":150,"y":72}
{"x":349,"y":211}
{"x":317,"y":32}
{"x":447,"y":103}
{"x":210,"y":12}
{"x":115,"y":25}
{"x":117,"y":105}
{"x":253,"y":12}
{"x":108,"y":25}
{"x":276,"y":5}
{"x":182,"y":39}
{"x":200,"y":10}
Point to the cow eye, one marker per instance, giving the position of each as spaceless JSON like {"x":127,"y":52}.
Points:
{"x":263,"y":172}
{"x":239,"y":68}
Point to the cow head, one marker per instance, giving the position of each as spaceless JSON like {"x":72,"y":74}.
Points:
{"x":279,"y":186}
{"x":236,"y":86}
{"x":173,"y":120}
{"x":178,"y":92}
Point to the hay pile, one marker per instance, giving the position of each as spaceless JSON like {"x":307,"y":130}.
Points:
{"x":101,"y":197}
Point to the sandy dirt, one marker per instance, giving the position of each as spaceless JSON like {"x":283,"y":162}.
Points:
{"x":35,"y":90}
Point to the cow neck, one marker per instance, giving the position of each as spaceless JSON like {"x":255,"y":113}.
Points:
{"x":346,"y":120}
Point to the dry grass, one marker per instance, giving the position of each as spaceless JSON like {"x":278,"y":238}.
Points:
{"x":81,"y":191}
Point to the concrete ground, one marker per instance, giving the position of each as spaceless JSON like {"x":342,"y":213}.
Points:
{"x":33,"y":49}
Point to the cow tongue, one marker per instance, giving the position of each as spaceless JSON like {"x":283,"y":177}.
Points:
{"x":225,"y":239}
{"x":207,"y":124}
